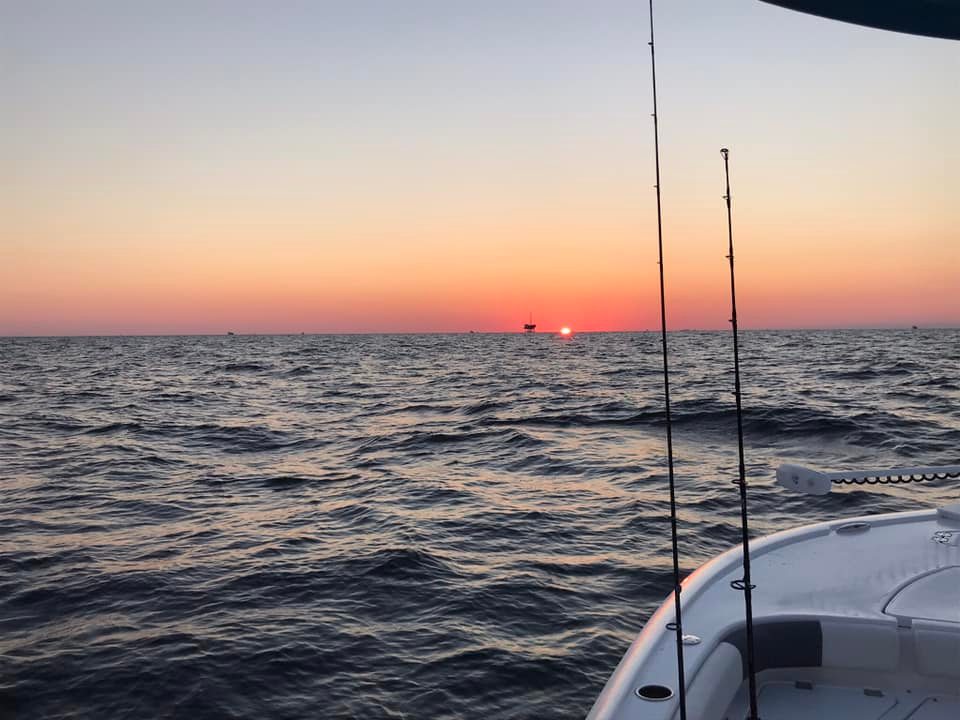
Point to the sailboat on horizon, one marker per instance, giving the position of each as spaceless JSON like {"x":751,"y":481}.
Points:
{"x":530,"y":326}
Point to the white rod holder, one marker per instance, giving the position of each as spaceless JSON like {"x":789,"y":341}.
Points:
{"x":813,"y":482}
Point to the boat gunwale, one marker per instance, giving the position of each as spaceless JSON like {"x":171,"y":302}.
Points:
{"x":650,"y":639}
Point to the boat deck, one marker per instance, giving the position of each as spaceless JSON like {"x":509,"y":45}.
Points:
{"x":854,"y":619}
{"x":792,"y":701}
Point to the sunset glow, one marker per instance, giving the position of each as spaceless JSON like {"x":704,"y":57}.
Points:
{"x":304,"y":168}
{"x":564,"y":331}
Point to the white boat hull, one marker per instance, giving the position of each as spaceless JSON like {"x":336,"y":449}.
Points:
{"x":853,"y":619}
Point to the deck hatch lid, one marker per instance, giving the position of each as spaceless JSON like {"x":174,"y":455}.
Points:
{"x":934,"y":596}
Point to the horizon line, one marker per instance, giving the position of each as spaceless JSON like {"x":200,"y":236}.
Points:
{"x":854,"y":328}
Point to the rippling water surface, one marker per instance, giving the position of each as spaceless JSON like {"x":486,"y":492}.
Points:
{"x":434,"y":526}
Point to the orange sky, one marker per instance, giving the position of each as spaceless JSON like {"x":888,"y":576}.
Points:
{"x":207,"y":187}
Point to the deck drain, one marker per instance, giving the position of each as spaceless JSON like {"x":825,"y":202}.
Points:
{"x":655,"y":692}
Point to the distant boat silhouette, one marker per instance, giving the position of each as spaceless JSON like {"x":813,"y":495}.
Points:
{"x":530,"y":326}
{"x":230,"y":333}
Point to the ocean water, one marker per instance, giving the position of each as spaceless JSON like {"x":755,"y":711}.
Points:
{"x":432,"y":526}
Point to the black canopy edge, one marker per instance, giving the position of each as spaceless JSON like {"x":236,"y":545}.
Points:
{"x":932,"y":18}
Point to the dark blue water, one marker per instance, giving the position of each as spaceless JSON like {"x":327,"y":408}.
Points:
{"x":430,"y":526}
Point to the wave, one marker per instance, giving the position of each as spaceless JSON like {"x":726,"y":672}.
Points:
{"x":285,"y":482}
{"x":484,"y":407}
{"x":174,"y":397}
{"x":232,"y":439}
{"x":768,"y":423}
{"x":394,"y":408}
{"x":403,"y":563}
{"x":427,"y":440}
{"x":115,"y":427}
{"x":240,"y":367}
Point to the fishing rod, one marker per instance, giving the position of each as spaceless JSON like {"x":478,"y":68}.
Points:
{"x":744,"y":584}
{"x":677,"y":625}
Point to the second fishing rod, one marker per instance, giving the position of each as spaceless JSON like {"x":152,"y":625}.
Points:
{"x":745,"y":585}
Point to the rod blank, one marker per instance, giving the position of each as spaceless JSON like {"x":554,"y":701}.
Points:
{"x":745,"y":584}
{"x":677,"y":625}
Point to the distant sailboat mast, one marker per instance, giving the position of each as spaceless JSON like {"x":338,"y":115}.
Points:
{"x":530,"y":326}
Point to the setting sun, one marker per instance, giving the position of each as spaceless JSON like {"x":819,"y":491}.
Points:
{"x":564,"y":331}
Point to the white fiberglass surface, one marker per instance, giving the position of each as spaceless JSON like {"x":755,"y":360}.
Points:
{"x":932,"y":597}
{"x":786,"y":701}
{"x":823,"y":573}
{"x":938,"y":708}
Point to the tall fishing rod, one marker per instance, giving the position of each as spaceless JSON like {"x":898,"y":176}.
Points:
{"x":677,"y":626}
{"x":744,"y":584}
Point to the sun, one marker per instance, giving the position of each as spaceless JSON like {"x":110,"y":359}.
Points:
{"x":565,"y":331}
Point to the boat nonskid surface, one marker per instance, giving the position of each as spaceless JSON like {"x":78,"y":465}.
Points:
{"x":847,"y":613}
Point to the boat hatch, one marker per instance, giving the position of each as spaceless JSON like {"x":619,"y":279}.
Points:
{"x":934,"y":596}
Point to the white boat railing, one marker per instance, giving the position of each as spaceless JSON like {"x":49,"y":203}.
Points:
{"x":814,"y":482}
